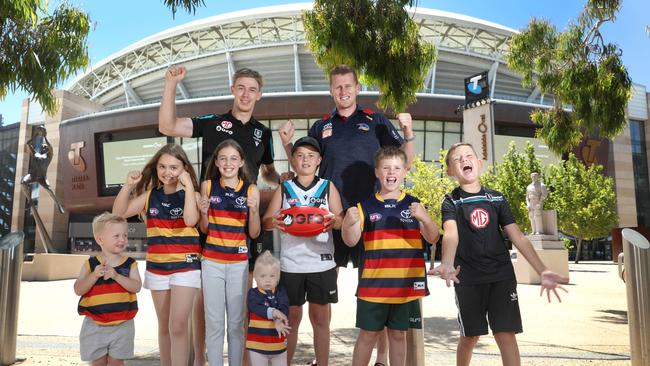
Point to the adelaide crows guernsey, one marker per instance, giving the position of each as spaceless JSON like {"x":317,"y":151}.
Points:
{"x":172,"y":246}
{"x":392,"y":269}
{"x":227,"y":240}
{"x":107,"y":302}
{"x":301,"y":254}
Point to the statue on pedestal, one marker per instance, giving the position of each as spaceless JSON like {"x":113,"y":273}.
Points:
{"x":536,"y":193}
{"x":41,"y":153}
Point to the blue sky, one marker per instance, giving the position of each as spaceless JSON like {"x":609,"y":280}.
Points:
{"x":119,"y":23}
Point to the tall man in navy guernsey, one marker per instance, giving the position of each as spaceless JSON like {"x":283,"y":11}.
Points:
{"x":349,"y":137}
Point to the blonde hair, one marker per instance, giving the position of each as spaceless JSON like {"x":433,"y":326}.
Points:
{"x":102,"y":220}
{"x":456,"y":146}
{"x":266,"y":259}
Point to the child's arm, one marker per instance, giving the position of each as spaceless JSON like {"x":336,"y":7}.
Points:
{"x":87,"y":279}
{"x":191,"y":214}
{"x":428,"y":228}
{"x":351,"y":227}
{"x":132,"y":283}
{"x":270,"y":220}
{"x":204,"y":206}
{"x":335,"y":207}
{"x":446,"y":268}
{"x":550,"y":281}
{"x":124,"y":207}
{"x":255,"y":303}
{"x":253,"y":203}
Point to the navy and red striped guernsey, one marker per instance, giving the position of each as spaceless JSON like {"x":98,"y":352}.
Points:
{"x":392,"y":268}
{"x":262,"y":337}
{"x":172,"y":246}
{"x":227,"y":240}
{"x":107,"y":302}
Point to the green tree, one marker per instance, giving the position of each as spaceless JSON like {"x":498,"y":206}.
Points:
{"x":584,"y":199}
{"x":39,"y":50}
{"x":376,"y":37}
{"x":511,"y":177}
{"x":430,"y":184}
{"x":580,"y":70}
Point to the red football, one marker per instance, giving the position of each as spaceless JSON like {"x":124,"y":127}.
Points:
{"x":304,"y":220}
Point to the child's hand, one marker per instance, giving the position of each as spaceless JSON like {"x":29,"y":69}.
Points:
{"x":133,"y":177}
{"x":278,"y":222}
{"x":447,"y":273}
{"x":99,"y":271}
{"x":185,"y":179}
{"x":330,"y":220}
{"x":109,"y":272}
{"x":253,"y":205}
{"x":352,"y":216}
{"x":418,"y":211}
{"x":550,"y":281}
{"x":282,"y":327}
{"x":278,"y":315}
{"x":204,"y":205}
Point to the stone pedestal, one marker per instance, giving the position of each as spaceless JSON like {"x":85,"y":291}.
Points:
{"x":557,"y":260}
{"x":53,"y":267}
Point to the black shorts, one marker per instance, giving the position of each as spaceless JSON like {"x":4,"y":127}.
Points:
{"x":319,"y":288}
{"x":258,"y":246}
{"x":373,"y":317}
{"x":343,"y":253}
{"x":498,"y":301}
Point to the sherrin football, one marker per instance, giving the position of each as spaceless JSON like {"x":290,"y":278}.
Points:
{"x":304,"y":220}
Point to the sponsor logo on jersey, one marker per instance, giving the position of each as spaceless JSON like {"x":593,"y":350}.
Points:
{"x":513,"y":297}
{"x":166,"y":204}
{"x":405,"y":214}
{"x":363,"y":127}
{"x":215,"y":199}
{"x":226,"y":124}
{"x":176,"y":212}
{"x":419,"y":285}
{"x":242,"y":249}
{"x":153,"y":211}
{"x":479,"y":218}
{"x":292,"y":201}
{"x":327,"y":130}
{"x":320,"y":201}
{"x":240,"y":201}
{"x":390,"y":205}
{"x":375,"y":217}
{"x":223,"y":129}
{"x":257,"y":136}
{"x":189,"y":258}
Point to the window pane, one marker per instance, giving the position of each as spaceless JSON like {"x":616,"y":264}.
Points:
{"x":434,"y":126}
{"x":450,"y":139}
{"x":452,"y":127}
{"x":432,"y":149}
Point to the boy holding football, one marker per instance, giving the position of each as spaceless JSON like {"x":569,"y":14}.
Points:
{"x":392,"y":274}
{"x":307,"y":263}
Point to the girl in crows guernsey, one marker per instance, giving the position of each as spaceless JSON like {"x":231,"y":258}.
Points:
{"x":166,"y":194}
{"x":230,"y":217}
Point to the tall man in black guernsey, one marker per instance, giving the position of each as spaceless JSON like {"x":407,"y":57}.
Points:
{"x":237,"y":124}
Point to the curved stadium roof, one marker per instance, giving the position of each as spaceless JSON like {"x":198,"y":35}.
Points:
{"x":271,"y":40}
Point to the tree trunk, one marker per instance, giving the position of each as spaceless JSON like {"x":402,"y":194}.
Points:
{"x":578,"y":249}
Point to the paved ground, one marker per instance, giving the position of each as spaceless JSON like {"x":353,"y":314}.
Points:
{"x":588,"y":328}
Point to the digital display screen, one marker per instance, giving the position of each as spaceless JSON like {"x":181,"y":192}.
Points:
{"x":121,"y":157}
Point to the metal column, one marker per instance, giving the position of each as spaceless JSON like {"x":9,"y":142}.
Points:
{"x":636,"y":249}
{"x":11,"y":265}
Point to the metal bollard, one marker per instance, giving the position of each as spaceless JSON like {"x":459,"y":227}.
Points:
{"x":11,"y":264}
{"x":636,"y":249}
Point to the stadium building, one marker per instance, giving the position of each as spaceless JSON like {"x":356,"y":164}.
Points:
{"x":107,"y":119}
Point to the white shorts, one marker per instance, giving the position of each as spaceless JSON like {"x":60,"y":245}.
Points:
{"x":158,"y":282}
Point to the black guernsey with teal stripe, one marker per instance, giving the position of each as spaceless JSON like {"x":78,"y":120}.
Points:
{"x":254,"y":138}
{"x":480,"y":217}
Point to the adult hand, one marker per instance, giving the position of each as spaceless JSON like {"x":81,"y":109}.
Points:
{"x":286,"y":132}
{"x":133,"y":177}
{"x":175,"y":74}
{"x":405,"y":124}
{"x":447,"y":272}
{"x":550,"y":281}
{"x":287,"y":176}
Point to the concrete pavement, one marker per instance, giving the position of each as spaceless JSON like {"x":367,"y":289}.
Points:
{"x":589,"y":327}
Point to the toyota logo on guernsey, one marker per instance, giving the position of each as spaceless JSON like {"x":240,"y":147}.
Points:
{"x":479,"y":218}
{"x":406,"y":214}
{"x":176,"y":211}
{"x":241,"y":200}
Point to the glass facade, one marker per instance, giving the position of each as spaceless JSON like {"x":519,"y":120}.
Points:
{"x":640,"y":167}
{"x":8,"y":151}
{"x":431,"y":137}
